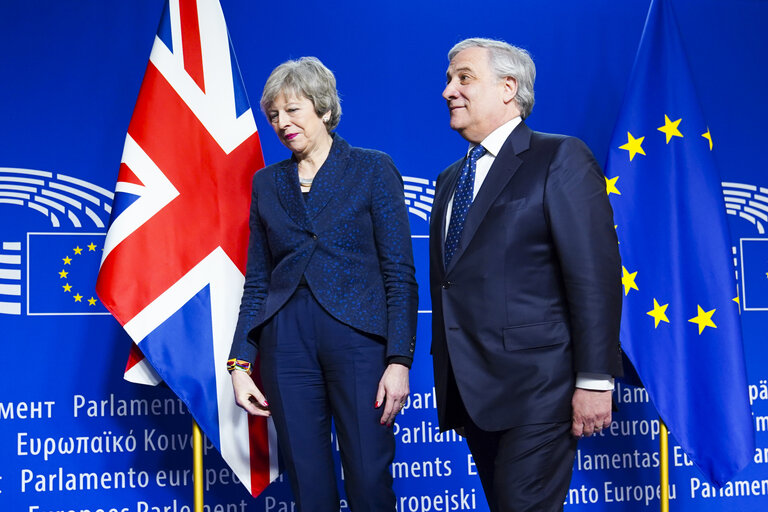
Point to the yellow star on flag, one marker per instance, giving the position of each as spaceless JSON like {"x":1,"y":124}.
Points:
{"x":78,"y":298}
{"x":63,"y":274}
{"x":708,"y":136}
{"x":703,"y":319}
{"x":633,"y":145}
{"x":91,"y":246}
{"x":78,"y":250}
{"x":67,"y":260}
{"x":610,"y":186}
{"x":670,"y":128}
{"x":67,"y":287}
{"x":659,"y":313}
{"x":628,"y":280}
{"x":91,"y":301}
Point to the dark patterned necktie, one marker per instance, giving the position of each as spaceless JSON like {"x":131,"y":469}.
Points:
{"x":462,"y":198}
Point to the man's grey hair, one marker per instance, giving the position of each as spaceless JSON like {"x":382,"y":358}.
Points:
{"x":306,"y":77}
{"x":506,"y":61}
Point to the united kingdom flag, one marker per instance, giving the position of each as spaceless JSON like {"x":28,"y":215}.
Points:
{"x":175,"y":253}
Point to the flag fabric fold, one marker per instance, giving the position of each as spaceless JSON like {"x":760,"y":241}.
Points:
{"x":680,"y":323}
{"x":173,"y":265}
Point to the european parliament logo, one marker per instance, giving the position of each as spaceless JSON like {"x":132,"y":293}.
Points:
{"x":51,"y":271}
{"x":419,"y":196}
{"x":750,"y":203}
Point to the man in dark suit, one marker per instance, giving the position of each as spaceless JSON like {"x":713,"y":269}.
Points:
{"x":525,"y":285}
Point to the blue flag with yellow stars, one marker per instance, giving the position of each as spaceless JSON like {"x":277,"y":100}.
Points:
{"x":62,"y":269}
{"x":680,"y":323}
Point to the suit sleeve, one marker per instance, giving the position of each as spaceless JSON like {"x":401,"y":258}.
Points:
{"x":258,"y":269}
{"x":392,"y":235}
{"x":581,"y":223}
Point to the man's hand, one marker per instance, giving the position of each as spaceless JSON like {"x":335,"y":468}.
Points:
{"x":591,"y":411}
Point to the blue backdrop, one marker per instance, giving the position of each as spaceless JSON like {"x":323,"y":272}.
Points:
{"x":75,"y":436}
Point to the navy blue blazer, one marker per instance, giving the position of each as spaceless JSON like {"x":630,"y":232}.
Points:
{"x":533,"y":293}
{"x":350,"y":240}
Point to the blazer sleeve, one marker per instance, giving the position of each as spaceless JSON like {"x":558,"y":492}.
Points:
{"x":392,"y":235}
{"x":258,"y":270}
{"x":581,"y":223}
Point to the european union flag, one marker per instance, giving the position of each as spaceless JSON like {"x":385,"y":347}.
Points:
{"x":61,"y":272}
{"x":680,"y":324}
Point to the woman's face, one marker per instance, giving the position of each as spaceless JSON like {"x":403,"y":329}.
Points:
{"x":296,"y":124}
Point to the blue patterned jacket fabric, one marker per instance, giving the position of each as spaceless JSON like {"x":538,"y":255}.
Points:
{"x":350,"y":240}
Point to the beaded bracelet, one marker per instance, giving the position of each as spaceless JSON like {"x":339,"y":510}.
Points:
{"x":239,"y":364}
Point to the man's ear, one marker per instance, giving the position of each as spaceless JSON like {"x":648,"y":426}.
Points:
{"x":510,"y":89}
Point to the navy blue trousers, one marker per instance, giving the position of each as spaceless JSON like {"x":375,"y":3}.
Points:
{"x":315,"y":368}
{"x":526,"y":468}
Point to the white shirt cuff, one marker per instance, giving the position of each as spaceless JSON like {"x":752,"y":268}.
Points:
{"x":594,"y":381}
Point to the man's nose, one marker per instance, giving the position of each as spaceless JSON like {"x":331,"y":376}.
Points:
{"x":449,"y":91}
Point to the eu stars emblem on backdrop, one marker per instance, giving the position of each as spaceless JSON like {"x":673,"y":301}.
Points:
{"x":680,"y":323}
{"x":62,"y":269}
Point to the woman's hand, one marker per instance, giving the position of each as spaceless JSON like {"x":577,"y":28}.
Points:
{"x":393,"y":392}
{"x":247,"y":395}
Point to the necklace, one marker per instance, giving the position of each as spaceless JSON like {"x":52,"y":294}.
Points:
{"x":305,"y":182}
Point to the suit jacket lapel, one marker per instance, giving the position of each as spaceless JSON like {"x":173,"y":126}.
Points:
{"x":504,"y":167}
{"x":329,"y":177}
{"x":444,"y":195}
{"x":289,"y":193}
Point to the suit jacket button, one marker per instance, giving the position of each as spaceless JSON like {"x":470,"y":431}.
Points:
{"x":447,"y":284}
{"x":314,"y":236}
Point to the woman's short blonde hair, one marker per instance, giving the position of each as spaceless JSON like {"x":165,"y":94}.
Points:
{"x":306,"y":77}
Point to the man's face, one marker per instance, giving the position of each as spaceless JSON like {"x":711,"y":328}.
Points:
{"x":477,"y":99}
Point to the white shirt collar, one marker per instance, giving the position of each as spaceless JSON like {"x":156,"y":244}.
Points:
{"x":493,"y":142}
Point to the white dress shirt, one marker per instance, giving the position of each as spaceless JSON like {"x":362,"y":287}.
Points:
{"x":492,"y":144}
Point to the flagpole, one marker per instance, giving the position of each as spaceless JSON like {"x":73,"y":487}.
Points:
{"x":197,"y":466}
{"x":664,"y":465}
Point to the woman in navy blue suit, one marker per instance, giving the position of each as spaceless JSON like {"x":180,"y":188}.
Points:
{"x":330,"y":301}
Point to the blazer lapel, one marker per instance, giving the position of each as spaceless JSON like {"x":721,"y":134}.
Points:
{"x":289,"y":193}
{"x":504,"y":166}
{"x":328,"y":178}
{"x":442,"y":197}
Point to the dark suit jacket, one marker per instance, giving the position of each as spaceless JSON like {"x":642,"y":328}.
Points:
{"x":350,"y":239}
{"x":533,"y":293}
